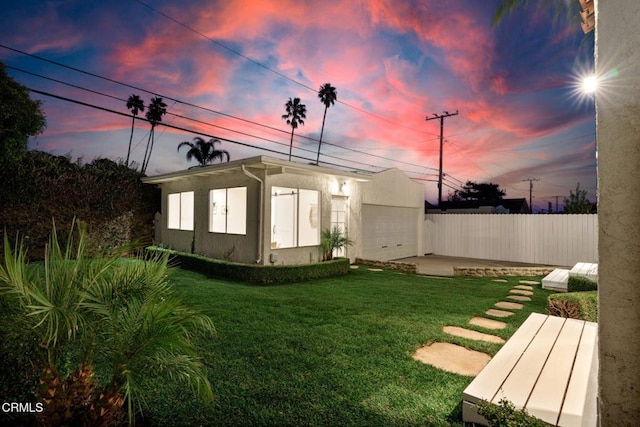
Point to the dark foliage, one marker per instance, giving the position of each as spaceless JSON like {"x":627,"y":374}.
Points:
{"x":478,"y":191}
{"x":505,"y":414}
{"x":20,"y":116}
{"x":108,"y":196}
{"x":581,"y":284}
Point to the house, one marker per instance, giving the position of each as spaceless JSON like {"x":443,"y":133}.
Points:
{"x":513,"y":206}
{"x":269,"y":211}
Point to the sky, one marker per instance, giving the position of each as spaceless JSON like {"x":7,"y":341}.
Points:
{"x":226,"y":68}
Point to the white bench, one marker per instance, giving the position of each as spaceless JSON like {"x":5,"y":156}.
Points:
{"x":585,"y":269}
{"x":557,"y":280}
{"x":549,"y":367}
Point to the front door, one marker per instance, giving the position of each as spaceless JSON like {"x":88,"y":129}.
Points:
{"x":339,"y":208}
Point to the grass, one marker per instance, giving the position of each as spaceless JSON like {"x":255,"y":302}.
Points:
{"x":332,"y":351}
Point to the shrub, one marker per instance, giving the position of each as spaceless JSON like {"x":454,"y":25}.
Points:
{"x":108,"y":196}
{"x":253,"y":273}
{"x":96,"y":314}
{"x":504,"y":414}
{"x":333,"y":240}
{"x":581,"y":284}
{"x":575,"y":305}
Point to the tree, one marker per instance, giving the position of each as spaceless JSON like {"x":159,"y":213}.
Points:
{"x":118,"y":315}
{"x":577,"y":203}
{"x":20,"y":116}
{"x":296,"y":113}
{"x":332,"y":241}
{"x":204,"y":151}
{"x":156,"y":109}
{"x":135,"y":105}
{"x":570,"y":9}
{"x":478,"y":191}
{"x":328,"y":96}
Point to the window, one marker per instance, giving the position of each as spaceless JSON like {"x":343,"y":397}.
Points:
{"x":180,"y":211}
{"x":228,"y":210}
{"x":294,"y":217}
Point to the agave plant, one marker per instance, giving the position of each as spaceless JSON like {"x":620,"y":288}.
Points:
{"x":120,"y":314}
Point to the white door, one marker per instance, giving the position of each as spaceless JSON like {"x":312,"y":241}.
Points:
{"x":389,"y":232}
{"x":339,"y":208}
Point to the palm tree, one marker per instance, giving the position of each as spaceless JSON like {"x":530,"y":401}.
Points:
{"x":136,"y":105}
{"x":156,"y":109}
{"x":296,"y":113}
{"x":204,"y":151}
{"x":570,"y":9}
{"x":118,"y":315}
{"x":328,"y":96}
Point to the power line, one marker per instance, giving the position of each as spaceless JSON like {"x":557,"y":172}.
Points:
{"x":188,"y":104}
{"x":279,"y":74}
{"x":441,"y":117}
{"x":531,"y":180}
{"x":86,"y":104}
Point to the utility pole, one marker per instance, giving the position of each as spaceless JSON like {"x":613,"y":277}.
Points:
{"x":557,"y":202}
{"x":441,"y":117}
{"x":531,"y":191}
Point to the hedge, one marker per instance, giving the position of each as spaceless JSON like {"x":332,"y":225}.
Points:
{"x":575,"y":305}
{"x":255,"y":273}
{"x":581,"y":284}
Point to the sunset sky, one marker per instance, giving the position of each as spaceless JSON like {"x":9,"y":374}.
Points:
{"x":226,"y":68}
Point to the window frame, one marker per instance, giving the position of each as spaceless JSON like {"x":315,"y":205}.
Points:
{"x":177,"y":204}
{"x":223,"y":210}
{"x":299,"y":217}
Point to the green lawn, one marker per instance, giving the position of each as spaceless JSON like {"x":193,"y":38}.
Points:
{"x":332,"y":351}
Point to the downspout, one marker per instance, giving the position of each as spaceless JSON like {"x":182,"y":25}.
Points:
{"x":260,"y":214}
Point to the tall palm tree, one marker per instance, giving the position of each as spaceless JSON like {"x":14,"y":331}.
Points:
{"x":204,"y":151}
{"x":120,"y":316}
{"x":505,"y":7}
{"x":156,"y":109}
{"x":296,"y":113}
{"x":328,"y":96}
{"x":136,"y":105}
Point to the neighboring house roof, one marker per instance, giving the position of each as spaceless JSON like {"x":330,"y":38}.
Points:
{"x":272,"y":165}
{"x":484,"y":206}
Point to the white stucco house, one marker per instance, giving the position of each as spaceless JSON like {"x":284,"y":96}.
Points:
{"x":269,"y":211}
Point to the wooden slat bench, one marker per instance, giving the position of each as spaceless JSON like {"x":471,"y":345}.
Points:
{"x":585,"y":269}
{"x":549,"y":366}
{"x":557,"y":280}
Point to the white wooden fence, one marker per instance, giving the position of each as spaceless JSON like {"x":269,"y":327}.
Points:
{"x":539,"y":239}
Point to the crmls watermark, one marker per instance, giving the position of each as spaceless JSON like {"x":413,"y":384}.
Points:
{"x":22,"y":407}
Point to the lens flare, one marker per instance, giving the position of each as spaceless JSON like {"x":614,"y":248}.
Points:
{"x":590,"y":84}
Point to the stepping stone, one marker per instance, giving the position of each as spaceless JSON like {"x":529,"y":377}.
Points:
{"x":375,"y":269}
{"x":498,"y":313}
{"x":354,"y":267}
{"x":521,"y":292}
{"x":472,"y":335}
{"x":501,"y":280}
{"x":487,"y":323}
{"x":525,"y":287}
{"x":509,"y":305}
{"x":519,"y":298}
{"x":529,"y":282}
{"x":453,"y":358}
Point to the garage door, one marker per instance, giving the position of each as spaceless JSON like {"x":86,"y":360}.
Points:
{"x":389,"y":232}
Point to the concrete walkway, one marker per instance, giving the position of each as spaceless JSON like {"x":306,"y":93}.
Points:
{"x":440,"y":265}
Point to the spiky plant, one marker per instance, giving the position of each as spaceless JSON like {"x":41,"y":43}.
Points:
{"x":118,"y":313}
{"x":332,"y":240}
